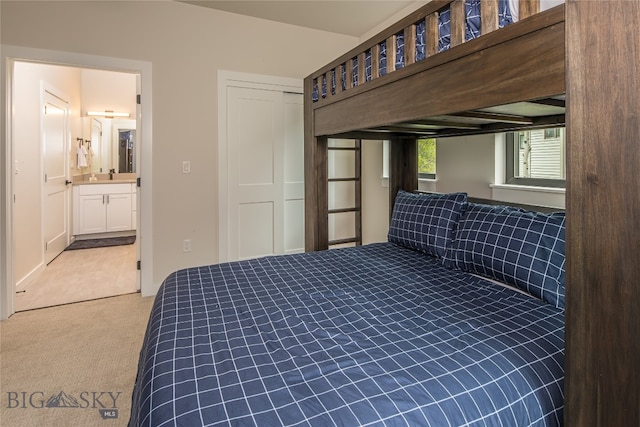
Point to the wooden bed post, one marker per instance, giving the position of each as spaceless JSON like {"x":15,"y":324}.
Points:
{"x":489,"y":16}
{"x":315,"y":180}
{"x":403,"y":168}
{"x":528,"y":8}
{"x":602,"y":378}
{"x":457,"y":14}
{"x":316,"y":199}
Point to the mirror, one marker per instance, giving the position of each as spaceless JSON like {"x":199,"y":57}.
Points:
{"x":92,"y":140}
{"x":96,"y":146}
{"x":123,"y":145}
{"x":112,"y":143}
{"x":126,"y":151}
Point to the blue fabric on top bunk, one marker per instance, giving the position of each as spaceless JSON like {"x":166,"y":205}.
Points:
{"x":383,"y":58}
{"x":333,"y":81}
{"x":472,"y":21}
{"x":504,"y":14}
{"x":372,"y":335}
{"x":421,"y":41}
{"x":354,"y":61}
{"x":399,"y":51}
{"x":399,"y":54}
{"x":344,"y":78}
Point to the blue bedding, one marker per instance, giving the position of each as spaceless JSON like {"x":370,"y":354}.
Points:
{"x":373,"y":335}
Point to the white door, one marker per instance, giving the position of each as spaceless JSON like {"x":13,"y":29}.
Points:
{"x":264,"y":161}
{"x":55,"y":138}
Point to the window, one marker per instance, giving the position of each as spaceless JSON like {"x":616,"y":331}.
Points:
{"x":536,"y":157}
{"x":552,"y":133}
{"x":427,"y":158}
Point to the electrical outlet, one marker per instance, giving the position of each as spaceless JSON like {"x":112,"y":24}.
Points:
{"x":186,"y":166}
{"x":186,"y":245}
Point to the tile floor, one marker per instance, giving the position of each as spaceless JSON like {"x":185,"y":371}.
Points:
{"x":82,"y":275}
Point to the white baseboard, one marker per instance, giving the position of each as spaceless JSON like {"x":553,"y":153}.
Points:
{"x":22,"y":284}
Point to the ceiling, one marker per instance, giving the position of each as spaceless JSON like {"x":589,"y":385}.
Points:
{"x":349,"y":17}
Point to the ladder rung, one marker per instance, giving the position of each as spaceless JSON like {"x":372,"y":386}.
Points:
{"x":343,"y":241}
{"x":335,"y":211}
{"x":343,"y":179}
{"x":344,"y":148}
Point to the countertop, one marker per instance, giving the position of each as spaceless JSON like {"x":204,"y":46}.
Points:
{"x":119,"y":178}
{"x":107,"y":181}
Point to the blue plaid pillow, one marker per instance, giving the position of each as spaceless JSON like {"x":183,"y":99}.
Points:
{"x":524,"y":249}
{"x":425,"y":222}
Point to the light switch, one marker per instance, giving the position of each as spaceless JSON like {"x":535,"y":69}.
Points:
{"x":186,"y":166}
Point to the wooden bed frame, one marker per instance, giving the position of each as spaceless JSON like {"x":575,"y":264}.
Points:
{"x":575,"y":65}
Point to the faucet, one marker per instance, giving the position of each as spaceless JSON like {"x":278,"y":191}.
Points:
{"x":111,"y":172}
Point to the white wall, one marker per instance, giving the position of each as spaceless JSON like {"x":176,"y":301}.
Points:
{"x":393,"y":19}
{"x":186,"y":46}
{"x":475,"y":164}
{"x":108,"y":90}
{"x":375,"y":194}
{"x":465,"y":164}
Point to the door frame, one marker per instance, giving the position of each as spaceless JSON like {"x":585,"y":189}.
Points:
{"x":10,"y":54}
{"x":228,"y":79}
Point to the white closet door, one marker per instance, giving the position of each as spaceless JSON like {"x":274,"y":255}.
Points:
{"x":261,"y":165}
{"x":256,"y":172}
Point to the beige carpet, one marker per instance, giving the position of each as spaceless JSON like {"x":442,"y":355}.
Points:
{"x":82,"y":275}
{"x":80,"y":358}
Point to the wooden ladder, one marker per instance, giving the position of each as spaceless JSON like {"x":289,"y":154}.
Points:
{"x":357,"y":205}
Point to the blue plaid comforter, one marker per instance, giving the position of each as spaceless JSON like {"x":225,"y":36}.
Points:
{"x":373,"y":335}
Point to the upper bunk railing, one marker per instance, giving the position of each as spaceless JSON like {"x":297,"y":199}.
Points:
{"x":436,"y":27}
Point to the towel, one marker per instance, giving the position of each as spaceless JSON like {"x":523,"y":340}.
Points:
{"x":89,"y":156}
{"x":82,"y":157}
{"x":514,"y":7}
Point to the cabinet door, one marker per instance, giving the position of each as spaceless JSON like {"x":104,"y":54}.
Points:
{"x":92,"y":214}
{"x":119,"y":212}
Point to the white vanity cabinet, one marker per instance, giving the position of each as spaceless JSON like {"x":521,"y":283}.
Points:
{"x":101,"y":208}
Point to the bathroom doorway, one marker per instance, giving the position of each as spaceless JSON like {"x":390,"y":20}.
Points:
{"x":144,"y":200}
{"x":93,"y":165}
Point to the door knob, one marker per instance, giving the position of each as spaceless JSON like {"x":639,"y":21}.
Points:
{"x":67,"y":182}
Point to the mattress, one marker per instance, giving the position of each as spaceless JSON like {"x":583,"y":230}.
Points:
{"x":373,"y":335}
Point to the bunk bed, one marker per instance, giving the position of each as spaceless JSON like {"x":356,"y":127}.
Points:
{"x":574,"y":65}
{"x":435,"y":326}
{"x":436,"y":89}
